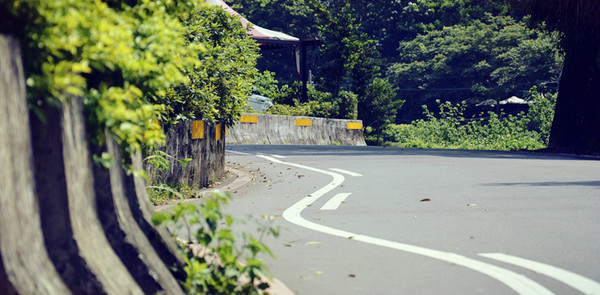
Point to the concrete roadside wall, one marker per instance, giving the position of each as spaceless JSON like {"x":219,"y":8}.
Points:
{"x":278,"y":129}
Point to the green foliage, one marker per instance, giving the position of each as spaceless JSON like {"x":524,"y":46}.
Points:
{"x":232,"y":258}
{"x":124,"y":58}
{"x":266,"y":85}
{"x":163,"y":193}
{"x":541,"y":113}
{"x":379,"y":106}
{"x":492,"y":58}
{"x":345,"y":49}
{"x":450,"y":130}
{"x":348,"y":105}
{"x":220,"y":86}
{"x":119,"y":58}
{"x":326,"y":109}
{"x":319,"y":104}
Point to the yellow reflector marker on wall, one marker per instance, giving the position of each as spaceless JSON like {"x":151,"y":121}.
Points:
{"x":197,"y":129}
{"x":354,"y":125}
{"x":249,"y":119}
{"x":303,"y":122}
{"x":218,"y":132}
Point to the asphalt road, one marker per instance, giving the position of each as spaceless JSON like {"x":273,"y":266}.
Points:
{"x":370,"y":220}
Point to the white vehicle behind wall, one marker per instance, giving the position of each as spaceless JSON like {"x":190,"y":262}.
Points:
{"x":260,"y":103}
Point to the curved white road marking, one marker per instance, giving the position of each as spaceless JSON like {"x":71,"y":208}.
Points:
{"x":279,"y":157}
{"x":581,"y":283}
{"x":345,"y":172}
{"x":336,"y":201}
{"x":519,"y":283}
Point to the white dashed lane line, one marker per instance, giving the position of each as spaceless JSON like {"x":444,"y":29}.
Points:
{"x":336,"y":201}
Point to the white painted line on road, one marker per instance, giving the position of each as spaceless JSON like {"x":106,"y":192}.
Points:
{"x":336,"y":201}
{"x":519,"y":283}
{"x":279,"y":157}
{"x":337,"y":178}
{"x":238,"y":153}
{"x":345,"y":172}
{"x":581,"y":283}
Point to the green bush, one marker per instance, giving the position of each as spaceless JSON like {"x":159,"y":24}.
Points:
{"x":541,"y":113}
{"x":231,"y":265}
{"x":120,"y":57}
{"x":289,"y":110}
{"x":450,"y":130}
{"x":217,"y":90}
{"x":319,"y":104}
{"x":163,"y":194}
{"x":266,"y":85}
{"x":348,"y":106}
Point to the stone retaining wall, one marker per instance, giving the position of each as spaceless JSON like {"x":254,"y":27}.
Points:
{"x":278,"y":129}
{"x":201,"y":142}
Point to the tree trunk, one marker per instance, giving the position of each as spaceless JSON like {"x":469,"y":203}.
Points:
{"x":576,"y":125}
{"x":26,"y":266}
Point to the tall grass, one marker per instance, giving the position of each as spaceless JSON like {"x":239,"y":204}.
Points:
{"x":449,"y":129}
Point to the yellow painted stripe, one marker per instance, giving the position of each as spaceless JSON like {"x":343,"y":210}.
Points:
{"x":354,"y":125}
{"x":197,"y":129}
{"x":249,"y":119}
{"x":218,"y":132}
{"x":303,"y":122}
{"x":225,"y":130}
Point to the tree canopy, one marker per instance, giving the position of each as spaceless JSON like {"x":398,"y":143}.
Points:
{"x":493,"y":58}
{"x":419,"y":44}
{"x":135,"y":63}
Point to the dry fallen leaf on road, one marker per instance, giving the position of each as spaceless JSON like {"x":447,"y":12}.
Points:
{"x":471,"y":205}
{"x":312,"y":243}
{"x":426,"y":200}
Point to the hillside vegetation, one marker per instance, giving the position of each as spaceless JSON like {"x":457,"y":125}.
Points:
{"x":395,"y":57}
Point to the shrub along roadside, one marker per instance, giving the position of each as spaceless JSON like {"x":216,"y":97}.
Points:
{"x":451,"y":130}
{"x":227,"y":263}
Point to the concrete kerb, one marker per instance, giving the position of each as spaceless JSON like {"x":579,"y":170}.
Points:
{"x":236,"y":180}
